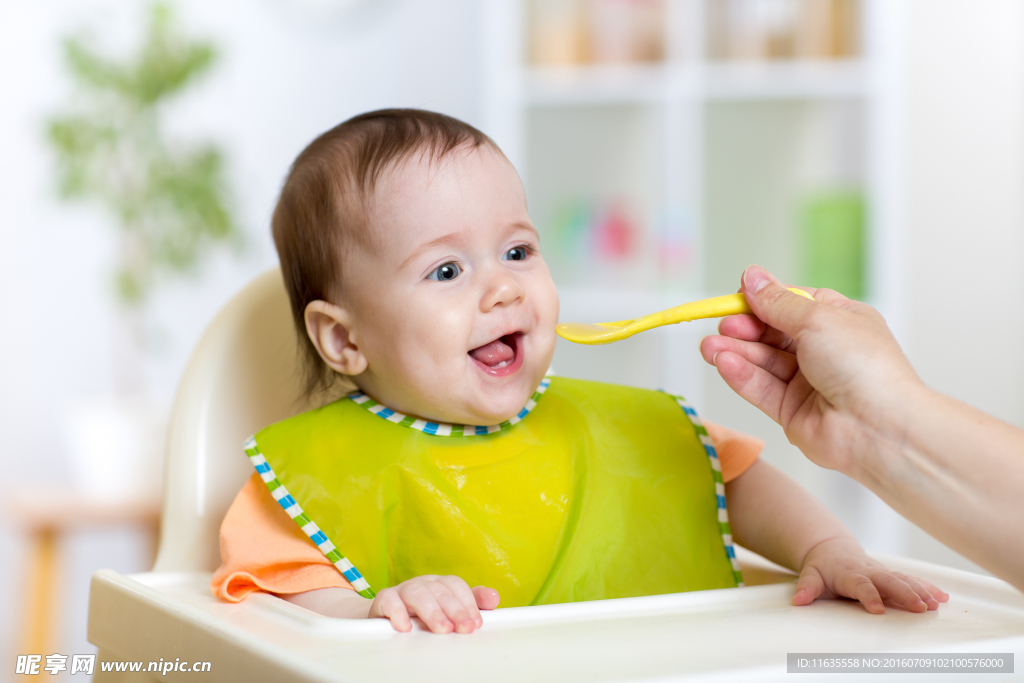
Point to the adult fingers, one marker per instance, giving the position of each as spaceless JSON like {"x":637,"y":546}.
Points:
{"x":898,"y":591}
{"x":749,"y":328}
{"x":809,"y":587}
{"x":800,"y":395}
{"x":744,"y":326}
{"x":773,"y":304}
{"x":486,"y":598}
{"x":781,"y":364}
{"x":420,"y":601}
{"x":834,"y":298}
{"x":758,"y":386}
{"x":388,"y":605}
{"x":460,"y":591}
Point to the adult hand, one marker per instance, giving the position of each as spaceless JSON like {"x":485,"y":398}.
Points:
{"x":828,"y":371}
{"x":443,"y":603}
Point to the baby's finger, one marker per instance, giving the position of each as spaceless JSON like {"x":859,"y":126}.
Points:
{"x":388,"y":605}
{"x":923,"y":593}
{"x":486,"y":598}
{"x":460,"y":589}
{"x":422,"y":603}
{"x":937,"y":593}
{"x":898,"y":591}
{"x":464,"y":618}
{"x":809,"y":587}
{"x":860,"y":588}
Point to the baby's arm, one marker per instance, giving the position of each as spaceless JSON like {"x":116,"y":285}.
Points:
{"x":775,"y":517}
{"x":443,"y":603}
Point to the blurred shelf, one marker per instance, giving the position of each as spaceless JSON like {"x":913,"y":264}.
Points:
{"x":640,"y":84}
{"x":723,"y":185}
{"x":606,"y":84}
{"x":784,"y":80}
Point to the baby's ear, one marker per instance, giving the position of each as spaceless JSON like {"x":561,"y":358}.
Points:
{"x":330,"y":329}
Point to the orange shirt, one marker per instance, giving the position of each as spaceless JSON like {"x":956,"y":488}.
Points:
{"x":262,"y":549}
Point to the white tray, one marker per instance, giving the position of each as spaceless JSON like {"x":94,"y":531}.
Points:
{"x":731,"y":634}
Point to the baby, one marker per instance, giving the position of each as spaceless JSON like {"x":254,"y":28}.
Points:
{"x":416,"y":280}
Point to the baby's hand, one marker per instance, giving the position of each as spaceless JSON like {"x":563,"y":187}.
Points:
{"x":839,"y":567}
{"x":443,"y":603}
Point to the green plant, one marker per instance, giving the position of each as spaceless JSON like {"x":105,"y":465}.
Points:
{"x":169,"y":198}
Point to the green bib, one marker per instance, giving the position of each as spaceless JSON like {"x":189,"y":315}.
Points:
{"x":592,"y":491}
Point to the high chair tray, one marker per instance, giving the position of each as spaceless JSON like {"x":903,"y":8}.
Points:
{"x":731,"y":634}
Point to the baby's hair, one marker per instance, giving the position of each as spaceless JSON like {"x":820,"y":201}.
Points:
{"x":323,"y":207}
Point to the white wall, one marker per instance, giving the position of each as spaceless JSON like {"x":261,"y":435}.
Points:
{"x":965,"y":201}
{"x":964,"y":206}
{"x":286,"y":75}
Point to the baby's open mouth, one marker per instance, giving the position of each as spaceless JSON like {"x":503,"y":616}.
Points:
{"x":503,"y":356}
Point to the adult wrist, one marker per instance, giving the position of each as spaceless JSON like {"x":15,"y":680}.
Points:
{"x":888,"y":434}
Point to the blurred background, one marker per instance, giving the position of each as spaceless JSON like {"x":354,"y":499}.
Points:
{"x":871,"y":146}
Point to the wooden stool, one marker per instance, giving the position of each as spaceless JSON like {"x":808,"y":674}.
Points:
{"x":46,"y":515}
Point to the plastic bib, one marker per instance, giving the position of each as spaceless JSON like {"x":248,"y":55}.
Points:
{"x":592,"y":491}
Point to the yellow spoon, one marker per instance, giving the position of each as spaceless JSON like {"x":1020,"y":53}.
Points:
{"x":606,"y":333}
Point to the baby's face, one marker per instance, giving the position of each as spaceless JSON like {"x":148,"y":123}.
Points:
{"x":455,"y":310}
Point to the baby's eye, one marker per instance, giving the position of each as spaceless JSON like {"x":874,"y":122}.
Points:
{"x":445,"y":272}
{"x":519,"y":253}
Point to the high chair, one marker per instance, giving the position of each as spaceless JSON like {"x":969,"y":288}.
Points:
{"x":242,"y":376}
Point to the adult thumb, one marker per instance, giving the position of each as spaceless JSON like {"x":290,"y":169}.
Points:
{"x":772,"y":303}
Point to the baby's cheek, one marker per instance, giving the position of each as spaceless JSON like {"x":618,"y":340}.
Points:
{"x":439,"y":348}
{"x":545,"y":300}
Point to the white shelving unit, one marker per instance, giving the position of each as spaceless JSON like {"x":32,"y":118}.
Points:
{"x":655,"y":84}
{"x":715,"y":154}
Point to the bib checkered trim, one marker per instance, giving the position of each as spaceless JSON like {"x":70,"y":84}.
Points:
{"x":716,"y":471}
{"x":308,"y":526}
{"x":440,"y":428}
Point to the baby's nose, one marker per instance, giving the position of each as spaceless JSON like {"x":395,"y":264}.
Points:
{"x":502,"y":290}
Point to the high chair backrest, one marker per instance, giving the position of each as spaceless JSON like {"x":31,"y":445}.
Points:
{"x":242,"y":376}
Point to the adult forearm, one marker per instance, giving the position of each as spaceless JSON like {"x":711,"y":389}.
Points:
{"x":955,"y":472}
